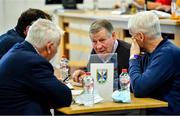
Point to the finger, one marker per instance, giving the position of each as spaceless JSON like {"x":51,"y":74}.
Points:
{"x":80,"y":79}
{"x":132,"y":43}
{"x":134,"y":40}
{"x":75,"y":76}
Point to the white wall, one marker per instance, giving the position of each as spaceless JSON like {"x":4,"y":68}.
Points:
{"x":1,"y":15}
{"x":10,"y":10}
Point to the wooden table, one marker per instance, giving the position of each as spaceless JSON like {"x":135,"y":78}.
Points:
{"x":137,"y":104}
{"x":86,"y":17}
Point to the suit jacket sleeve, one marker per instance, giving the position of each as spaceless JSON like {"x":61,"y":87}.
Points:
{"x":43,"y":82}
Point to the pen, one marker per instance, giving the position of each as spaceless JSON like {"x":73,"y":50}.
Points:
{"x":66,"y":78}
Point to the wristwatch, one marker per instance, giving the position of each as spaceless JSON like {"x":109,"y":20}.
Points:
{"x":134,"y":56}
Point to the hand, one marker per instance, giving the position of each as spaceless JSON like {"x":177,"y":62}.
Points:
{"x":135,"y":49}
{"x":78,"y":76}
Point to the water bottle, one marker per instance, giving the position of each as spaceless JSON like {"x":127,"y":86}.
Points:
{"x":88,"y":84}
{"x":123,"y":94}
{"x":95,"y":5}
{"x":124,"y":80}
{"x":123,"y":7}
{"x":64,"y":68}
{"x":173,"y":9}
{"x":145,"y":5}
{"x":178,"y":9}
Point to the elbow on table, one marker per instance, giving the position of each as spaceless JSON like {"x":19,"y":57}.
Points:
{"x":139,"y":93}
{"x":64,"y":100}
{"x":68,"y":99}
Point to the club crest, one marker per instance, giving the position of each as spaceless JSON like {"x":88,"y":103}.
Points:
{"x":101,"y":75}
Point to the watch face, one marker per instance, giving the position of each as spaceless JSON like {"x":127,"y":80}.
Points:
{"x":136,"y":56}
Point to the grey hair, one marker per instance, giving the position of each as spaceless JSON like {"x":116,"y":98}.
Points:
{"x":146,"y":22}
{"x":43,"y":31}
{"x":98,"y":25}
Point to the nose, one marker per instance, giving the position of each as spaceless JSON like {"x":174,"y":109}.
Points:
{"x":99,"y":45}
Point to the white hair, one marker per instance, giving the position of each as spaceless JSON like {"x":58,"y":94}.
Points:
{"x":146,"y":22}
{"x":43,"y":31}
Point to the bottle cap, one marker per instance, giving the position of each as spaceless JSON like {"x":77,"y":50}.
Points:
{"x":124,"y":70}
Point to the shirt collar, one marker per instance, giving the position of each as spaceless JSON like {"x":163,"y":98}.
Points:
{"x":115,"y":46}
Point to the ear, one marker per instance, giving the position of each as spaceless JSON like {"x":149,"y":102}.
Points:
{"x":114,"y":35}
{"x":140,"y":36}
{"x":26,"y":30}
{"x":49,"y":47}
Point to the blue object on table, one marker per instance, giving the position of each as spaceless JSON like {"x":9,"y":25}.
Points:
{"x":122,"y":96}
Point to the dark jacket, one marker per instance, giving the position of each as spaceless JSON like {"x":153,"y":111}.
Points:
{"x":28,"y":84}
{"x":8,"y":39}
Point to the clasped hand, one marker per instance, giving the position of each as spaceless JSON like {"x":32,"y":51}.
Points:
{"x":78,"y":76}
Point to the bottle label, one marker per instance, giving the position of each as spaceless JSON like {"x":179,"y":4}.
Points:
{"x":88,"y":91}
{"x":124,"y":81}
{"x":88,"y":84}
{"x":64,"y":69}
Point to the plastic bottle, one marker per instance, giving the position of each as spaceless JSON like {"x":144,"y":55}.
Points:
{"x":123,"y":7}
{"x":173,"y":9}
{"x":124,"y":80}
{"x":145,"y":5}
{"x":178,"y":9}
{"x":95,"y":5}
{"x":88,"y":84}
{"x":64,"y":68}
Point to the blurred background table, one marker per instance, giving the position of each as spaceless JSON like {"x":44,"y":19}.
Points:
{"x":83,"y":18}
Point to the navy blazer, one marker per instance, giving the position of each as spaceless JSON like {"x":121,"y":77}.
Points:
{"x":8,"y":39}
{"x":28,"y":84}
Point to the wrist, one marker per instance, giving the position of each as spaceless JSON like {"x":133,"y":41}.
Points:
{"x":134,"y":56}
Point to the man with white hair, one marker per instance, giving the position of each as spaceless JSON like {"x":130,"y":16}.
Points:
{"x":156,"y":73}
{"x":27,"y":82}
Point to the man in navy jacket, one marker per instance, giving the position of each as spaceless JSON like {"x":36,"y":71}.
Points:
{"x":156,"y":73}
{"x":27,"y":82}
{"x":18,"y":34}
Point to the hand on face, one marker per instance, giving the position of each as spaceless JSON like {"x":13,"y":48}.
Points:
{"x":135,"y":49}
